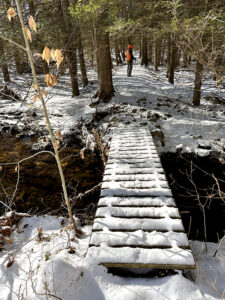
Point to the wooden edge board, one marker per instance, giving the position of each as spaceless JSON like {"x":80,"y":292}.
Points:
{"x":148,"y":266}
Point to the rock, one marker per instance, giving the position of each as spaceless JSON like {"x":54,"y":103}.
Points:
{"x":168,"y":115}
{"x":157,"y":133}
{"x":153,"y":117}
{"x":204,"y":145}
{"x":195,"y":137}
{"x":142,"y":100}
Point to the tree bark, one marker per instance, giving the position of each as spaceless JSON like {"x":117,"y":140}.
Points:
{"x":117,"y":53}
{"x":144,"y":56}
{"x":4,"y":66}
{"x":45,"y":67}
{"x":172,"y":62}
{"x":163,"y":47}
{"x":157,"y":53}
{"x":81,"y":59}
{"x":70,"y":49}
{"x":18,"y":63}
{"x":198,"y":84}
{"x":71,"y":57}
{"x":185,"y":60}
{"x":104,"y":63}
{"x":150,"y":54}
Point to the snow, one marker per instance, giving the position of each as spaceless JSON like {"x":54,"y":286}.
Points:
{"x":145,"y":98}
{"x":46,"y":266}
{"x":73,"y":276}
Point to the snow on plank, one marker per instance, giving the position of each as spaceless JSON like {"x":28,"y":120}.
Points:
{"x":136,"y":212}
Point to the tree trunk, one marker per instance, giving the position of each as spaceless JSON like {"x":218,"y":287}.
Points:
{"x":144,"y":56}
{"x":104,"y":63}
{"x":172,"y":62}
{"x":140,"y":48}
{"x":150,"y":49}
{"x":17,"y":58}
{"x":117,"y":53}
{"x":185,"y":60}
{"x":123,"y":51}
{"x":198,"y":84}
{"x":71,"y":57}
{"x":4,"y":66}
{"x":5,"y":72}
{"x":69,"y":45}
{"x":45,"y":67}
{"x":81,"y":60}
{"x":177,"y":58}
{"x":157,"y":54}
{"x":168,"y":55}
{"x":163,"y":52}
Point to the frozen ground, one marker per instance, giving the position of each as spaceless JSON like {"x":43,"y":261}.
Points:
{"x":43,"y":267}
{"x":146,"y":98}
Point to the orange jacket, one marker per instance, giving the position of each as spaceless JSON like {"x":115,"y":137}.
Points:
{"x":128,"y":55}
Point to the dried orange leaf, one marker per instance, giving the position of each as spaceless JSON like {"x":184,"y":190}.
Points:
{"x":50,"y":80}
{"x":46,"y":55}
{"x":59,"y":57}
{"x":35,"y":98}
{"x":58,"y":135}
{"x":11,"y":13}
{"x":56,"y":144}
{"x":28,"y":34}
{"x":32,"y":24}
{"x":54,"y":80}
{"x":45,"y":93}
{"x":35,"y":86}
{"x":82,"y":154}
{"x":53,"y":54}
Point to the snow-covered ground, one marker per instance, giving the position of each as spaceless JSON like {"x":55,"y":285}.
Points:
{"x":43,"y":267}
{"x":145,"y":98}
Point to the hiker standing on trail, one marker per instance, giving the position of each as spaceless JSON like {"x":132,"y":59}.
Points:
{"x":130,"y":59}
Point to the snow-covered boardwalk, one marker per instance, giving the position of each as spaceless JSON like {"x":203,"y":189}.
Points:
{"x":137,"y":223}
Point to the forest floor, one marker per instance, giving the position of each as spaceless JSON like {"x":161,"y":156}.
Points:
{"x":51,"y":264}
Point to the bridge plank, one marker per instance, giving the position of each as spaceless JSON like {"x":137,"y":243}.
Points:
{"x":137,"y":223}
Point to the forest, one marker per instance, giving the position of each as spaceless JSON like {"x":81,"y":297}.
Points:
{"x":112,"y":149}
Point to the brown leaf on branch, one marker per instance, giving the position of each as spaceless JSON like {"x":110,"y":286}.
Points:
{"x":53,"y":54}
{"x":56,"y":144}
{"x":54,"y":80}
{"x":35,"y":98}
{"x":32,"y":24}
{"x":59,"y":135}
{"x":46,"y":55}
{"x":11,"y":13}
{"x":45,"y":93}
{"x":50,"y":80}
{"x":28,"y":34}
{"x":59,"y":57}
{"x":82,"y":154}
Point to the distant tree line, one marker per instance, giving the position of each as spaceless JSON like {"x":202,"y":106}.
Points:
{"x":175,"y":33}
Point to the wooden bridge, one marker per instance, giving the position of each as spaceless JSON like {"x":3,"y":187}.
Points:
{"x":137,"y":223}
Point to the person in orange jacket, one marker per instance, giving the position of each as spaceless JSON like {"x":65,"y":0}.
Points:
{"x":130,"y":59}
